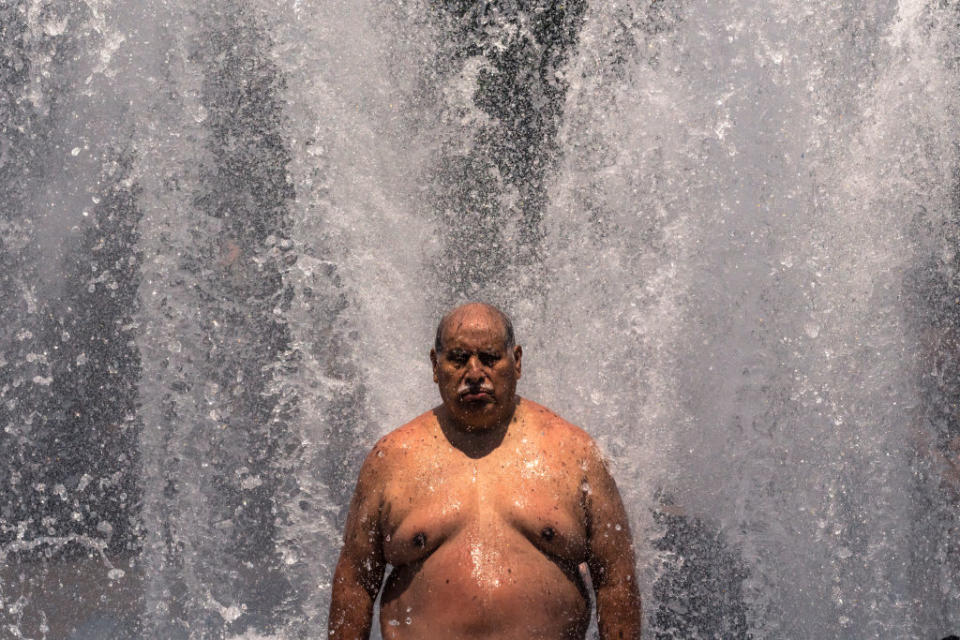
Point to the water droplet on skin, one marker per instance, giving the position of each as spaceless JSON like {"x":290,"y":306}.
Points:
{"x":617,"y":527}
{"x":394,"y":623}
{"x":409,"y":620}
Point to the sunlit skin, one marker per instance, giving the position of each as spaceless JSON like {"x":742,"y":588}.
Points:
{"x":491,"y":510}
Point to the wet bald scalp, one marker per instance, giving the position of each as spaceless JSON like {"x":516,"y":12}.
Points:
{"x":509,"y":339}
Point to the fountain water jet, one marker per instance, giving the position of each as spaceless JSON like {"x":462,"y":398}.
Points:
{"x":727,"y":235}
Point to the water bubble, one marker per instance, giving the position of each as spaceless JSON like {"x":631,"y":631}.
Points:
{"x":251,"y":482}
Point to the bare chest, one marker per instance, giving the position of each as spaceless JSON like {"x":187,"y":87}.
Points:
{"x":521,"y":496}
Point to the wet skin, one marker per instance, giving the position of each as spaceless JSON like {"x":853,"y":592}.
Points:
{"x":488,"y":509}
{"x":485,"y":547}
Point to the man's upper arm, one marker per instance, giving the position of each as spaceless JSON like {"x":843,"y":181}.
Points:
{"x":359,"y":572}
{"x":611,"y":549}
{"x":362,"y":554}
{"x":611,"y":558}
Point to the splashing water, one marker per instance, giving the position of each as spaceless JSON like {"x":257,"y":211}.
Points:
{"x":727,"y":235}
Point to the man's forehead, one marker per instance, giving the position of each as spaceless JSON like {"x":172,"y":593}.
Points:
{"x":474,"y":322}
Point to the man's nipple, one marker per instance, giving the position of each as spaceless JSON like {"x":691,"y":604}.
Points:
{"x":420,"y":540}
{"x":548,"y":533}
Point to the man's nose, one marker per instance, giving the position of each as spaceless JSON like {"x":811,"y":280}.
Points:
{"x":474,"y":369}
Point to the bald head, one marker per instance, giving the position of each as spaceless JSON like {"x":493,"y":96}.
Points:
{"x":475,"y":308}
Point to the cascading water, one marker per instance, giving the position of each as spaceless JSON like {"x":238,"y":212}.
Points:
{"x":728,"y":235}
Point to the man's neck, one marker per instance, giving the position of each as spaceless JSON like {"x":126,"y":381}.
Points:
{"x":474,"y":441}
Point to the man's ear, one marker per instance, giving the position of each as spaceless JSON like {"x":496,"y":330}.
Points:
{"x":517,"y":355}
{"x":433,"y":361}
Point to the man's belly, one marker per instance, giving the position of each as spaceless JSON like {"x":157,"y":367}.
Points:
{"x":497,"y":586}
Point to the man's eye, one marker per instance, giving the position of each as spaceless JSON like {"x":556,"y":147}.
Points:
{"x":458,"y":358}
{"x":489,"y":359}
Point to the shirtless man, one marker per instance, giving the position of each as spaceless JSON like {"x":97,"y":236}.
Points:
{"x":487,"y":508}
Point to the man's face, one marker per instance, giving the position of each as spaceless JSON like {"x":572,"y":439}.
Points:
{"x":476,"y":373}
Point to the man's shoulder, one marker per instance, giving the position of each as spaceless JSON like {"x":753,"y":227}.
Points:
{"x":556,"y":428}
{"x":406,"y":436}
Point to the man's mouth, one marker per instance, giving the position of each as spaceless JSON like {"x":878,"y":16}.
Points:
{"x":475,"y":395}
